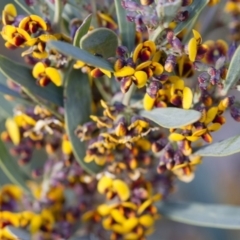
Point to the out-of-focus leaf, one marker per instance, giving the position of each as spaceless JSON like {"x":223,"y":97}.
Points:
{"x":233,"y":73}
{"x":77,"y":111}
{"x":6,"y":108}
{"x":5,"y":90}
{"x":22,"y":75}
{"x":205,"y":215}
{"x":10,"y":167}
{"x":126,"y":29}
{"x":19,"y":233}
{"x":194,"y":9}
{"x":167,"y":12}
{"x":82,"y":30}
{"x":223,"y":148}
{"x":79,"y":54}
{"x":101,"y":41}
{"x":172,"y":117}
{"x":24,"y":7}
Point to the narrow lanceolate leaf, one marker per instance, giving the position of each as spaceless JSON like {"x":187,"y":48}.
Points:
{"x":233,"y":73}
{"x":101,"y":41}
{"x":22,"y":4}
{"x":5,"y":90}
{"x":126,"y":28}
{"x":9,"y":166}
{"x":172,"y":117}
{"x":22,"y":75}
{"x":77,"y":111}
{"x":79,"y":54}
{"x":19,"y":233}
{"x":82,"y":30}
{"x":223,"y":148}
{"x":206,"y":215}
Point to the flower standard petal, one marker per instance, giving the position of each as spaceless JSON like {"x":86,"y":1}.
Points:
{"x":124,"y":72}
{"x":148,"y":102}
{"x":187,"y":98}
{"x":146,"y":220}
{"x":104,"y":183}
{"x":54,"y":75}
{"x":122,"y":189}
{"x":136,"y":52}
{"x":192,"y":49}
{"x":13,"y":131}
{"x":118,"y":216}
{"x":140,"y":78}
{"x":197,"y":36}
{"x":211,"y":114}
{"x":38,"y":69}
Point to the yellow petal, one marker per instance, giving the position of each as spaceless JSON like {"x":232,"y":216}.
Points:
{"x":118,"y":216}
{"x":197,"y":36}
{"x":8,"y":31}
{"x":122,"y":189}
{"x":211,"y":114}
{"x":151,"y":45}
{"x":40,"y":55}
{"x":35,"y":224}
{"x":141,"y":79}
{"x":131,"y":236}
{"x":143,"y":65}
{"x":148,"y":102}
{"x":107,"y":223}
{"x":144,"y":206}
{"x":199,"y":132}
{"x":54,"y":75}
{"x":156,"y":56}
{"x":15,"y":192}
{"x":47,"y":37}
{"x":66,"y":147}
{"x":124,"y":72}
{"x":214,"y":127}
{"x":130,"y":223}
{"x":106,"y":72}
{"x":192,"y":49}
{"x":8,"y":14}
{"x":187,"y":98}
{"x":104,"y":209}
{"x":146,"y":220}
{"x":38,"y":69}
{"x":104,"y":183}
{"x":137,"y":51}
{"x":129,"y":205}
{"x":13,"y":131}
{"x":40,"y":21}
{"x":158,"y":68}
{"x":176,"y":137}
{"x":192,"y":138}
{"x":78,"y":64}
{"x":26,"y":36}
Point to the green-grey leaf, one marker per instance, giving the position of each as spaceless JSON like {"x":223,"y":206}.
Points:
{"x":205,"y":215}
{"x":168,"y":11}
{"x":101,"y":41}
{"x":24,"y":7}
{"x":10,"y":167}
{"x":82,"y":30}
{"x":77,"y":111}
{"x":79,"y":54}
{"x":194,"y":9}
{"x":223,"y":148}
{"x":126,"y":28}
{"x":19,"y":233}
{"x":172,"y":117}
{"x":233,"y":73}
{"x":22,"y":75}
{"x":5,"y":90}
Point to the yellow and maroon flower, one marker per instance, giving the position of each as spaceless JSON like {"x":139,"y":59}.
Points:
{"x":32,"y":24}
{"x":45,"y":74}
{"x":15,"y":37}
{"x":232,"y":6}
{"x":196,"y":49}
{"x":9,"y":14}
{"x":215,"y":50}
